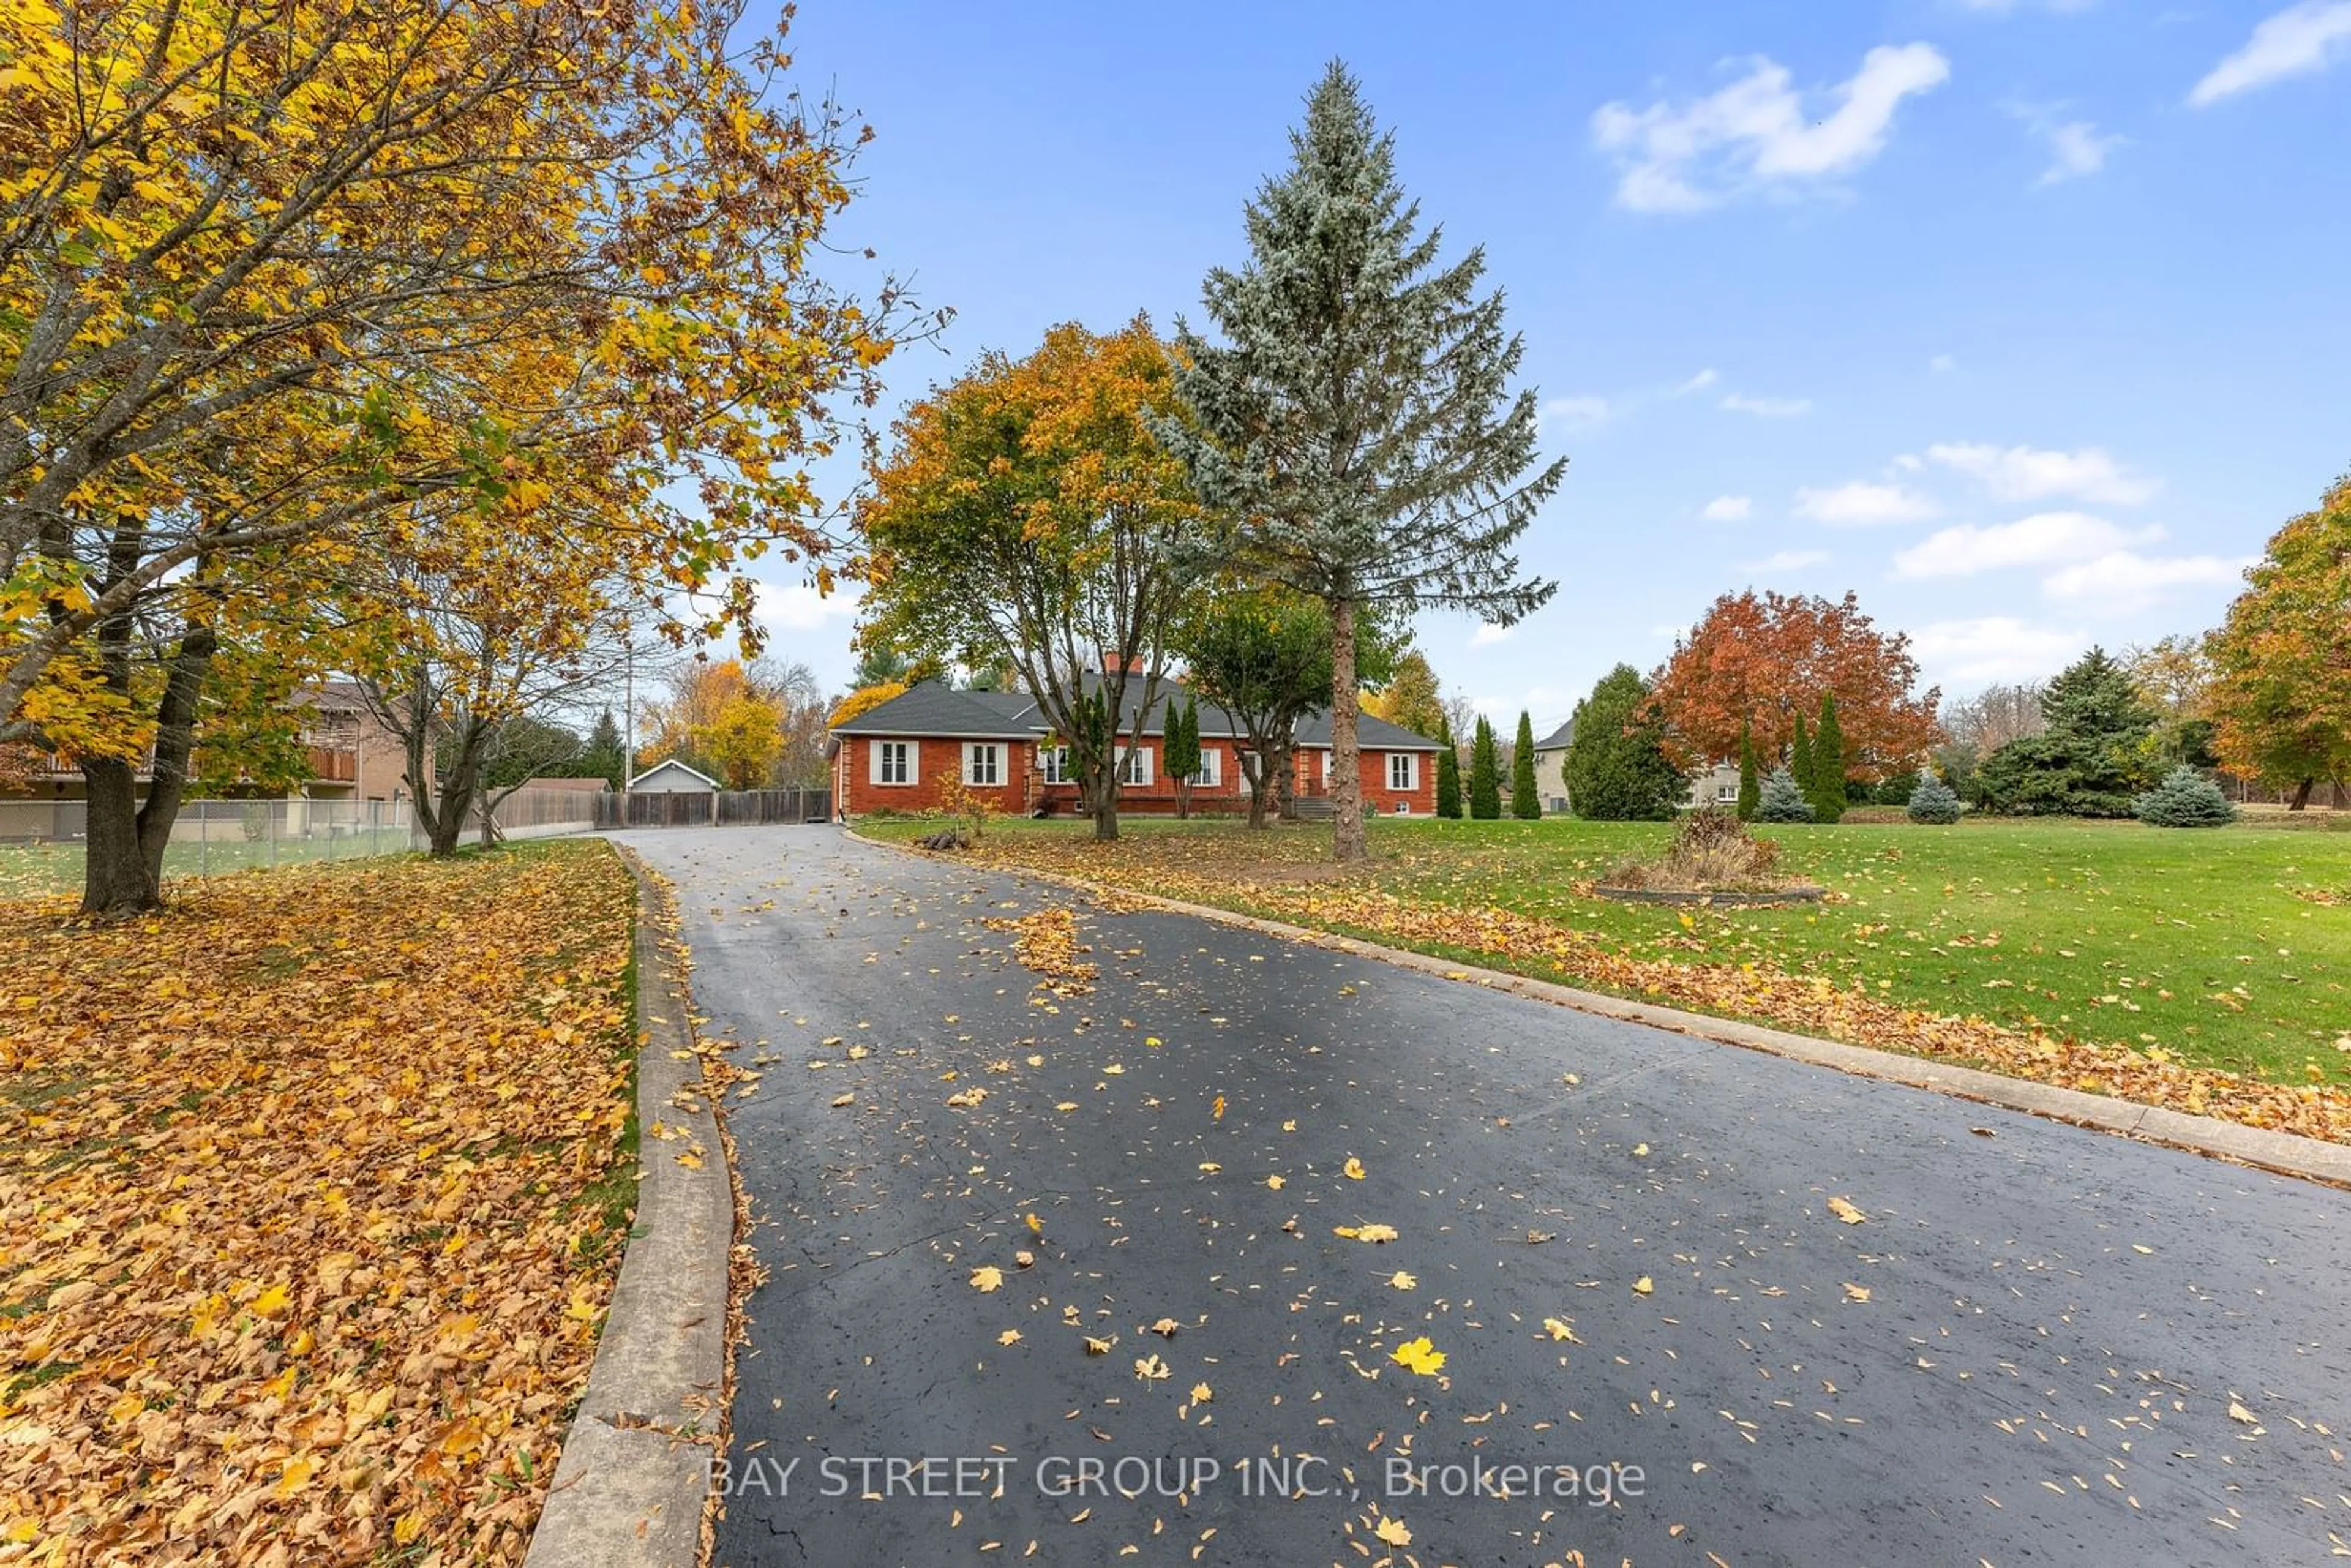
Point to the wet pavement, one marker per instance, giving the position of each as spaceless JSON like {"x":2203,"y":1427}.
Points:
{"x":1660,"y":1343}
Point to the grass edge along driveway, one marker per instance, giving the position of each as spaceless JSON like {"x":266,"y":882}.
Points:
{"x":2203,"y":971}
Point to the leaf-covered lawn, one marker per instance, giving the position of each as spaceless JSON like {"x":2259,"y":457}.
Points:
{"x":312,"y":1194}
{"x":2111,"y":957}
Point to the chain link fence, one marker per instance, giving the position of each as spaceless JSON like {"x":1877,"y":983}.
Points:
{"x":41,"y":841}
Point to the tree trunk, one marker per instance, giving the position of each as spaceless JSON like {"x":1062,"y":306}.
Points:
{"x":2302,"y":795}
{"x":1102,"y":798}
{"x":122,"y":864}
{"x":1346,"y":789}
{"x":115,"y":879}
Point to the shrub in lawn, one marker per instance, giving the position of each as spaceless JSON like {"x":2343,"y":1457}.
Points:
{"x":2186,"y":799}
{"x":1712,"y":851}
{"x":1783,"y":799}
{"x":1898,"y":790}
{"x":1934,"y":802}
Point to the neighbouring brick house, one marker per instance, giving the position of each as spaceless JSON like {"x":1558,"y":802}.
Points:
{"x":894,"y":758}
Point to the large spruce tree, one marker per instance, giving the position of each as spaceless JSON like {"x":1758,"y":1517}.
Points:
{"x":1356,"y":420}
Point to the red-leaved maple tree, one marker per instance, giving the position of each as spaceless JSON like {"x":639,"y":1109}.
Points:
{"x":1763,"y":659}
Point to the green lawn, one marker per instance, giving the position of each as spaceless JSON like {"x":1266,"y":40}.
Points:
{"x":32,"y":870}
{"x":2206,"y":945}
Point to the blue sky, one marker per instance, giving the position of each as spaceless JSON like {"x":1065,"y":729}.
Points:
{"x":2023,"y":318}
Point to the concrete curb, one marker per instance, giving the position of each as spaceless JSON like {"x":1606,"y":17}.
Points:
{"x":630,"y":1489}
{"x":2287,"y":1153}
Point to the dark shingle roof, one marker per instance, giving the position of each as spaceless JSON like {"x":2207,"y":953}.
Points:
{"x":1557,"y":739}
{"x":931,"y":709}
{"x":1372,"y":733}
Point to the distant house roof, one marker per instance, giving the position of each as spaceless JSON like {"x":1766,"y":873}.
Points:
{"x":931,"y":709}
{"x":671,"y":766}
{"x":1557,"y":739}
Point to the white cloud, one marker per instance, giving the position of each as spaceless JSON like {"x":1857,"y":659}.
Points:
{"x":1727,"y":508}
{"x":1861,"y":502}
{"x":2298,"y":41}
{"x":1767,"y":407}
{"x":1577,"y":411}
{"x":1698,"y":383}
{"x":1757,"y":133}
{"x":1993,"y":648}
{"x":798,"y":607}
{"x":2037,"y":541}
{"x":1787,"y":561}
{"x":2124,"y":580}
{"x":2075,"y":149}
{"x":1487,"y":634}
{"x":2027,"y":474}
{"x":1942,"y":364}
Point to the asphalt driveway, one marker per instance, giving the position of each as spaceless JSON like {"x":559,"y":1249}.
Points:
{"x":1057,"y":1269}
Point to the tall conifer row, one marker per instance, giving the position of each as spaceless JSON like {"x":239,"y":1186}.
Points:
{"x":1525,"y":803}
{"x":1485,"y":775}
{"x":1750,"y":783}
{"x":1826,"y":784}
{"x":1448,"y":771}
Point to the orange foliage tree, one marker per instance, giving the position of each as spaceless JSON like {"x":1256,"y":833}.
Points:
{"x":2283,"y":659}
{"x":1760,"y":661}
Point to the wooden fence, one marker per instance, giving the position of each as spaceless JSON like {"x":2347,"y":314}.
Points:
{"x":707,"y":808}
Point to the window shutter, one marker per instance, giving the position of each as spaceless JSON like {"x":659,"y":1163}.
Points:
{"x":873,"y":762}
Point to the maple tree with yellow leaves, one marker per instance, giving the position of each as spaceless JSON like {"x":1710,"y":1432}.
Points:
{"x":273,"y":280}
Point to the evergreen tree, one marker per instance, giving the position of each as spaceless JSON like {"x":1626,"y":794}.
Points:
{"x":878,"y":665}
{"x":604,"y":756}
{"x":1356,"y":421}
{"x":1448,"y":770}
{"x":1933,"y":801}
{"x":1751,"y":787}
{"x":1180,"y":744}
{"x":1827,"y":786}
{"x":1525,"y":803}
{"x":1617,"y":770}
{"x":1783,"y":801}
{"x":2090,"y":760}
{"x":1485,"y":775}
{"x":2185,"y":799}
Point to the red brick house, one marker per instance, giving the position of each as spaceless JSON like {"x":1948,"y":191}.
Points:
{"x":893,"y":757}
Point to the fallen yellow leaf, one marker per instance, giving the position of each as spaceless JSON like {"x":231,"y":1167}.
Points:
{"x":1419,"y":1355}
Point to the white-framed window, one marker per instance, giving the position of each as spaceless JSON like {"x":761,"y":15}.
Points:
{"x":891,"y":761}
{"x":983,"y":763}
{"x":1725,"y":793}
{"x":1054,"y":761}
{"x":1211,"y":774}
{"x":1404,"y":770}
{"x":1134,"y":767}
